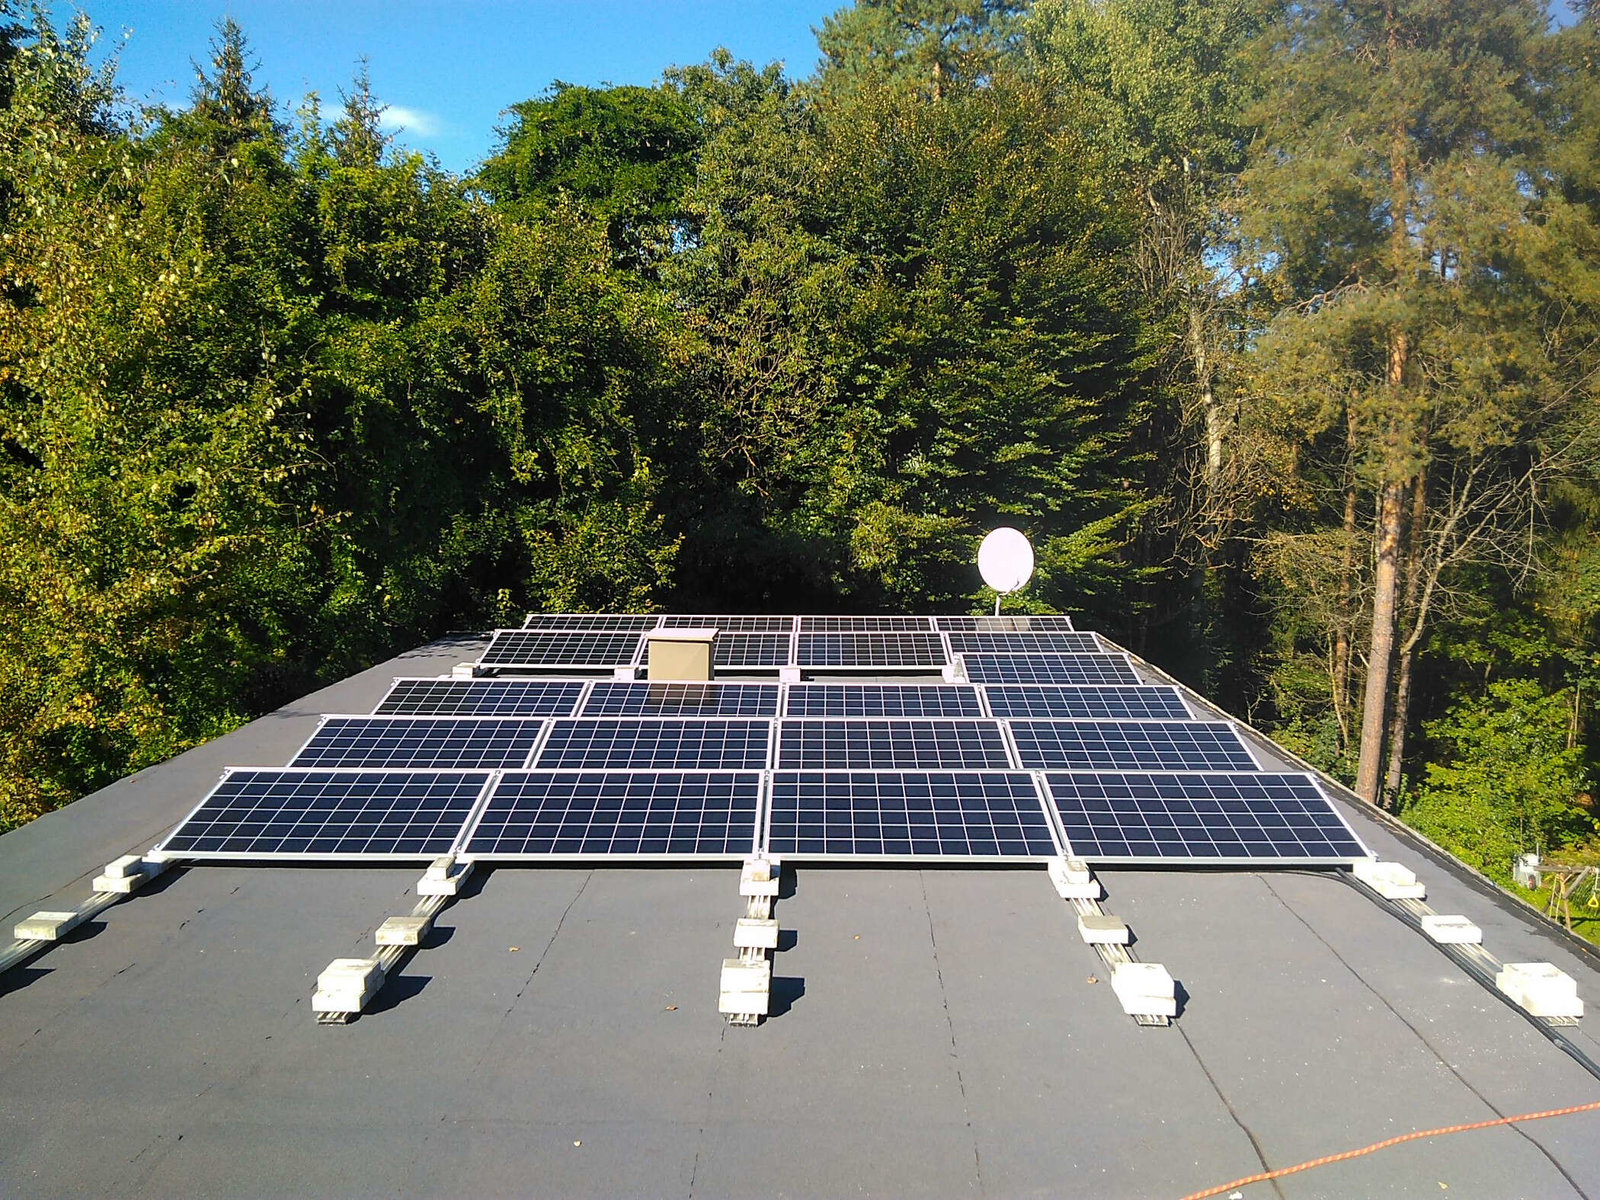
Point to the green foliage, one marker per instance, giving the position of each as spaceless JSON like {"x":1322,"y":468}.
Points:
{"x":929,"y":46}
{"x":917,"y":324}
{"x":624,"y":155}
{"x":271,"y":409}
{"x":1510,"y":780}
{"x":1131,"y":275}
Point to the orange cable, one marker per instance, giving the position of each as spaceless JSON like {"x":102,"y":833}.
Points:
{"x":1394,"y":1141}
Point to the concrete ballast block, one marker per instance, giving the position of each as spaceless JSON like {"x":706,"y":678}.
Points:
{"x":755,"y":933}
{"x":404,"y":931}
{"x":1073,"y":882}
{"x":1103,"y":930}
{"x":443,"y":877}
{"x":746,"y":986}
{"x":122,"y":884}
{"x":1451,"y":930}
{"x":347,"y":984}
{"x":125,"y":867}
{"x":1145,"y":989}
{"x":1389,"y":879}
{"x":759,"y":877}
{"x":1542,"y":988}
{"x":46,"y":926}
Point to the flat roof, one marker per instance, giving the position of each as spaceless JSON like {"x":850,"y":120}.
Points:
{"x":936,"y":1031}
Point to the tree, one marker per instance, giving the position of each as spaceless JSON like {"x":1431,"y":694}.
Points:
{"x":1390,"y":214}
{"x":624,"y":155}
{"x":918,"y":323}
{"x":928,"y":45}
{"x":1161,"y":84}
{"x":153,"y":500}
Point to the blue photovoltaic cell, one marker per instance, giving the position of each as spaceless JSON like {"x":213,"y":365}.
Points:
{"x":890,"y":744}
{"x":865,"y":650}
{"x":730,"y":624}
{"x":462,"y":743}
{"x":653,"y":744}
{"x":1019,"y":624}
{"x":882,"y":700}
{"x":480,"y":698}
{"x":543,"y":814}
{"x":751,"y":650}
{"x":1193,"y":817}
{"x":682,"y":700}
{"x":1065,"y":642}
{"x":1130,"y":746}
{"x":561,"y":648}
{"x":865,"y":625}
{"x":1076,"y":669}
{"x":601,"y":622}
{"x":1141,"y":702}
{"x":925,"y":814}
{"x":279,"y":813}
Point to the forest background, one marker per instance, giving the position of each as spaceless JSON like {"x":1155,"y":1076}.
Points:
{"x":1275,"y":326}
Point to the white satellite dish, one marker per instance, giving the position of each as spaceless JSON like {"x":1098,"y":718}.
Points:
{"x":1005,"y":560}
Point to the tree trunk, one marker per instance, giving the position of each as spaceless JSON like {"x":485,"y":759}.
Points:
{"x":1385,"y":579}
{"x":1346,"y":621}
{"x":1408,"y":653}
{"x":1208,"y":406}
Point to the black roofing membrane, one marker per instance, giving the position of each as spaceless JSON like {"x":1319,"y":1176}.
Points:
{"x":935,"y":1030}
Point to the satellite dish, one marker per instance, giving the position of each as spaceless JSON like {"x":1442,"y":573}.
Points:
{"x":1005,"y":560}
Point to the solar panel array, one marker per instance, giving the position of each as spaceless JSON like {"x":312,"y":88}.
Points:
{"x":1039,"y":740}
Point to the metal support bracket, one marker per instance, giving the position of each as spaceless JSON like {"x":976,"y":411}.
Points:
{"x":1146,"y":991}
{"x":347,"y":985}
{"x":43,"y":929}
{"x":746,"y":992}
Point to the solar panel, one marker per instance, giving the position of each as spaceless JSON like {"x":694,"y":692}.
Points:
{"x":1065,"y":642}
{"x":864,"y":650}
{"x":557,"y":648}
{"x":611,"y":814}
{"x":751,"y":650}
{"x":602,"y":622}
{"x":665,"y":743}
{"x":1138,"y":816}
{"x":865,"y":625}
{"x":1131,"y":746}
{"x":1121,"y":703}
{"x":682,"y":700}
{"x":481,"y":697}
{"x":731,"y":624}
{"x":950,"y":815}
{"x":882,"y":700}
{"x":890,"y":744}
{"x":282,"y":812}
{"x":453,"y":743}
{"x":1018,"y":624}
{"x":1049,"y":668}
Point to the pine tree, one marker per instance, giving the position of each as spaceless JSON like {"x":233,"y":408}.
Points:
{"x":1393,"y":219}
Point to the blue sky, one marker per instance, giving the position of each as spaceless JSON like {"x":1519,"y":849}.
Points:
{"x":448,"y":67}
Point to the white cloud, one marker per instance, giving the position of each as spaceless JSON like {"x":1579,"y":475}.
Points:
{"x":397,"y":117}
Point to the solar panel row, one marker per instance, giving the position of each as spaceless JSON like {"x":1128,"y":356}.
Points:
{"x":636,"y":743}
{"x":802,"y":624}
{"x":1216,"y":817}
{"x":755,"y":643}
{"x":560,"y":698}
